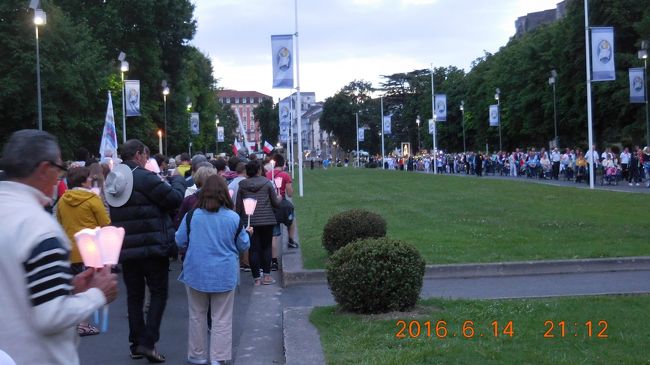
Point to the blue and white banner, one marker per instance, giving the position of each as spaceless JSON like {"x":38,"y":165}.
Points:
{"x":494,"y":115}
{"x":432,"y":126}
{"x":282,"y":55}
{"x":285,"y":119}
{"x":637,"y":85}
{"x":220,"y":134}
{"x":194,"y":123}
{"x":108,"y":144}
{"x":361,"y":134}
{"x":441,"y":107}
{"x":387,"y":124}
{"x":132,"y":97}
{"x":602,"y":54}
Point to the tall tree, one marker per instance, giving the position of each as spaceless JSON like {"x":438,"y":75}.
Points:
{"x":267,"y":116}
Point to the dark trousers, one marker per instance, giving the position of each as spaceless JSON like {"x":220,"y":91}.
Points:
{"x":154,"y":272}
{"x":556,"y":170}
{"x":260,"y":251}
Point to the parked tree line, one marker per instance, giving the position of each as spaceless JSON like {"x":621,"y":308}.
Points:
{"x":520,"y":70}
{"x":79,"y":46}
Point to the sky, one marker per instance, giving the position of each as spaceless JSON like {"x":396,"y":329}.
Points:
{"x":345,"y":40}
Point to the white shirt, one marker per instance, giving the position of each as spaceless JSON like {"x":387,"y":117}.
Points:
{"x":625,"y":157}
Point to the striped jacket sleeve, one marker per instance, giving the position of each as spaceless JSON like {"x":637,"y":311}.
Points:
{"x":49,"y":282}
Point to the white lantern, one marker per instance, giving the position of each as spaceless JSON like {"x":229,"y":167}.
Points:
{"x":249,"y":207}
{"x":88,"y":247}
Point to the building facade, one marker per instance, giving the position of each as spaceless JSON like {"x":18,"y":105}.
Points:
{"x":245,"y":102}
{"x":315,"y":141}
{"x":531,"y":21}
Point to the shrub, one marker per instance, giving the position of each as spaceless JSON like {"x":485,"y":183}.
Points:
{"x":376,"y":275}
{"x":371,"y":165}
{"x":352,"y":225}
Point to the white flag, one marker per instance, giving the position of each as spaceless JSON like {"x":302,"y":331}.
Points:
{"x":194,"y":123}
{"x":494,"y":116}
{"x":132,"y":97}
{"x":109,"y":136}
{"x":282,"y":56}
{"x":602,"y":54}
{"x":637,"y":85}
{"x":387,"y":124}
{"x":432,"y":126}
{"x":220,"y":134}
{"x":361,"y":134}
{"x":285,"y":119}
{"x":441,"y":107}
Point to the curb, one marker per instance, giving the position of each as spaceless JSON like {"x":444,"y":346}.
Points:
{"x":302,"y":344}
{"x":294,"y":274}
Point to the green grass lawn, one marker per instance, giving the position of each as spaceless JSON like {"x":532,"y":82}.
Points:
{"x":456,"y":219}
{"x":354,"y":339}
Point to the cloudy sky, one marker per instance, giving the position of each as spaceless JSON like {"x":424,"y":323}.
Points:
{"x":344,"y":40}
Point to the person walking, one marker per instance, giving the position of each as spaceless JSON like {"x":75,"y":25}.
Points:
{"x":263,"y":219}
{"x":80,"y":208}
{"x":213,"y":236}
{"x":41,"y":302}
{"x":142,"y":203}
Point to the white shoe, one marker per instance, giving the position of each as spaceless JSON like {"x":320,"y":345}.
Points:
{"x":630,"y":184}
{"x":637,"y":184}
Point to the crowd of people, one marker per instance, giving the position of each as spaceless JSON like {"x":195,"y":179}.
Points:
{"x":184,"y":207}
{"x":630,"y":167}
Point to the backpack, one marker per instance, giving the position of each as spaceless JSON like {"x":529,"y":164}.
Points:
{"x":188,"y":219}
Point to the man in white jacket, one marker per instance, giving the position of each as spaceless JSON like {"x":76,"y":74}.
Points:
{"x":41,"y":301}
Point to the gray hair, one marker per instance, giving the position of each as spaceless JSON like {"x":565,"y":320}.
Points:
{"x":202,"y":174}
{"x":25,"y":150}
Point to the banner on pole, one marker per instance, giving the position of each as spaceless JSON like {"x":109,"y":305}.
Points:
{"x":285,"y":119}
{"x":441,"y":107}
{"x":387,"y":124}
{"x":282,"y":56}
{"x":108,"y":144}
{"x":637,"y":85}
{"x":132,"y":93}
{"x":194,"y":123}
{"x":432,"y":126}
{"x":494,"y":115}
{"x":602,"y":51}
{"x":361,"y":133}
{"x":220,"y":134}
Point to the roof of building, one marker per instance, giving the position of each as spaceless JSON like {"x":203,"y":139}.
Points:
{"x":241,"y":94}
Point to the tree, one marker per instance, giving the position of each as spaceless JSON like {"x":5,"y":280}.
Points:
{"x":267,"y":116}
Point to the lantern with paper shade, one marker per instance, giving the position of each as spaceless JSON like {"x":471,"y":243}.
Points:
{"x":110,"y":244}
{"x":249,"y":207}
{"x":231,"y":192}
{"x":88,"y":247}
{"x":278,"y":183}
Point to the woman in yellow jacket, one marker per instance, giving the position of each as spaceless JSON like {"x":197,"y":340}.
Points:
{"x":80,"y":208}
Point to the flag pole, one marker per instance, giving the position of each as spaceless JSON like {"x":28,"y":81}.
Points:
{"x":589,"y":112}
{"x":299,"y":102}
{"x":381,"y":102}
{"x":291,"y":115}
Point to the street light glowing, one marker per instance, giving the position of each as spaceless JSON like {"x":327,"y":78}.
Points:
{"x":159,"y":133}
{"x":166,"y":90}
{"x":124,"y":66}
{"x":643,"y":54}
{"x":40,"y":18}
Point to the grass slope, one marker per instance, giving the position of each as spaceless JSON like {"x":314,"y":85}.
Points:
{"x":457,"y":219}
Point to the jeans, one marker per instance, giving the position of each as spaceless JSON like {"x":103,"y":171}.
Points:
{"x":154,"y":272}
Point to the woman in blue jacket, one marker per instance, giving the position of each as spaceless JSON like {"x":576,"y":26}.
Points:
{"x":214,"y":237}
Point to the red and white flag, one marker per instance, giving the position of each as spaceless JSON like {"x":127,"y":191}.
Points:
{"x":236,"y":147}
{"x":267,"y":147}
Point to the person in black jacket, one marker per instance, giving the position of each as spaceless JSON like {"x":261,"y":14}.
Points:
{"x":263,"y":219}
{"x":141,"y":202}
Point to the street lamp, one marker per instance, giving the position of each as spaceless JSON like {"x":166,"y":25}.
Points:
{"x":462,"y":111}
{"x":357,"y":119}
{"x":188,"y":101}
{"x":417,"y":121}
{"x":124,"y":67}
{"x":40,"y":18}
{"x":165,"y":92}
{"x":497,"y":96}
{"x":551,"y":81}
{"x":643,"y":54}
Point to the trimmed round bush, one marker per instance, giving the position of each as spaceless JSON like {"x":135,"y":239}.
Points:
{"x":352,"y":225}
{"x":376,"y":275}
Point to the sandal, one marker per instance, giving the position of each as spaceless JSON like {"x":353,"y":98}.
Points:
{"x":152,"y":355}
{"x":86,"y":329}
{"x":268,"y":280}
{"x":257,"y":282}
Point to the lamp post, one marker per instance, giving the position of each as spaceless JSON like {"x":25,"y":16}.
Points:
{"x":551,"y":81}
{"x":124,"y":67}
{"x":336,"y":152}
{"x":497,"y":96}
{"x":643,"y":54}
{"x":462,"y":111}
{"x":417,"y":121}
{"x":40,"y":18}
{"x":357,"y":120}
{"x":165,"y":92}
